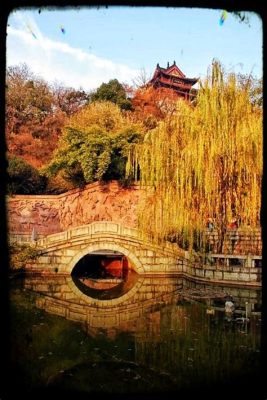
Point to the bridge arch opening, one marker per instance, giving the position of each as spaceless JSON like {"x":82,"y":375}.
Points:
{"x":103,"y":264}
{"x":104,"y":274}
{"x":102,"y":248}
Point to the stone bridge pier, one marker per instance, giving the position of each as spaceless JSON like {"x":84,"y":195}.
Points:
{"x":60,"y":252}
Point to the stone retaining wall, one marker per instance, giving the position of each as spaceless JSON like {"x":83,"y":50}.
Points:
{"x":57,"y":213}
{"x":102,"y":202}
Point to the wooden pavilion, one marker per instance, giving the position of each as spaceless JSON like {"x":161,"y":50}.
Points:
{"x":173,"y":78}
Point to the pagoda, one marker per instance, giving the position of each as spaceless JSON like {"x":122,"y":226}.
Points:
{"x":173,"y":78}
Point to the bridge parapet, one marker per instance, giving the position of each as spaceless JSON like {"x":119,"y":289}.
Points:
{"x":106,"y":227}
{"x":61,"y":251}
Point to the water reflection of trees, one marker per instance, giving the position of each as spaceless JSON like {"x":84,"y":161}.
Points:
{"x":156,"y":328}
{"x":196,"y":347}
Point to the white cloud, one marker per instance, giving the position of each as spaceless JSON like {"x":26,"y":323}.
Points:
{"x":58,"y":61}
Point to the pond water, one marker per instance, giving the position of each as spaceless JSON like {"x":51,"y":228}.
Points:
{"x":81,"y":336}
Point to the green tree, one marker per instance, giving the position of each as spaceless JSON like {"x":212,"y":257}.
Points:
{"x":95,"y":145}
{"x":22,"y":178}
{"x":112,"y":91}
{"x":21,"y":254}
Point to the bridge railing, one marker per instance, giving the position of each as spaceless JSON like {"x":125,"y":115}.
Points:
{"x":236,"y":241}
{"x":103,"y":227}
{"x":233,"y":260}
{"x":236,"y":245}
{"x":22,"y":238}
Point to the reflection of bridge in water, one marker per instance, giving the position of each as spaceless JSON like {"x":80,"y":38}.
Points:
{"x":61,"y":296}
{"x":151,"y":325}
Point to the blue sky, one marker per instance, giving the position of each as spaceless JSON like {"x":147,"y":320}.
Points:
{"x":120,"y":42}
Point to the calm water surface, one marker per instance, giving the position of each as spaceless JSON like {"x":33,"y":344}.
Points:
{"x":137,"y":335}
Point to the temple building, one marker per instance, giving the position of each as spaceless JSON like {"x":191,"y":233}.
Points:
{"x":173,"y":78}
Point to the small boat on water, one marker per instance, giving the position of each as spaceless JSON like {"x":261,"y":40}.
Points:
{"x":102,"y":284}
{"x":106,"y":280}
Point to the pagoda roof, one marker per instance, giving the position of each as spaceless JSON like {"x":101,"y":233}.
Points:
{"x":172,"y":70}
{"x":170,"y":73}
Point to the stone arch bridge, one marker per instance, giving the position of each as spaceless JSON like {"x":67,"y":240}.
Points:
{"x":60,"y":252}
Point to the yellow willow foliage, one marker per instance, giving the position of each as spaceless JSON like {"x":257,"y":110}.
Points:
{"x":203,"y":161}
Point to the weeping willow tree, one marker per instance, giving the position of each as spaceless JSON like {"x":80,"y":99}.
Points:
{"x":204,"y":161}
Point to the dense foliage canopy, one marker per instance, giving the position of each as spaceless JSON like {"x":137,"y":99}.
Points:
{"x":95,"y":144}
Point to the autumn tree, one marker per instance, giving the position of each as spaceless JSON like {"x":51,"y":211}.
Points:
{"x":28,"y":98}
{"x":142,"y":79}
{"x":33,"y":125}
{"x":151,"y":105}
{"x":69,"y":100}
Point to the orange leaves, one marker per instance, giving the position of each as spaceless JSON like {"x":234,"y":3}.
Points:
{"x":153,"y":102}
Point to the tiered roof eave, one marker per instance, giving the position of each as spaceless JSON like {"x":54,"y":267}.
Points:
{"x":172,"y":76}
